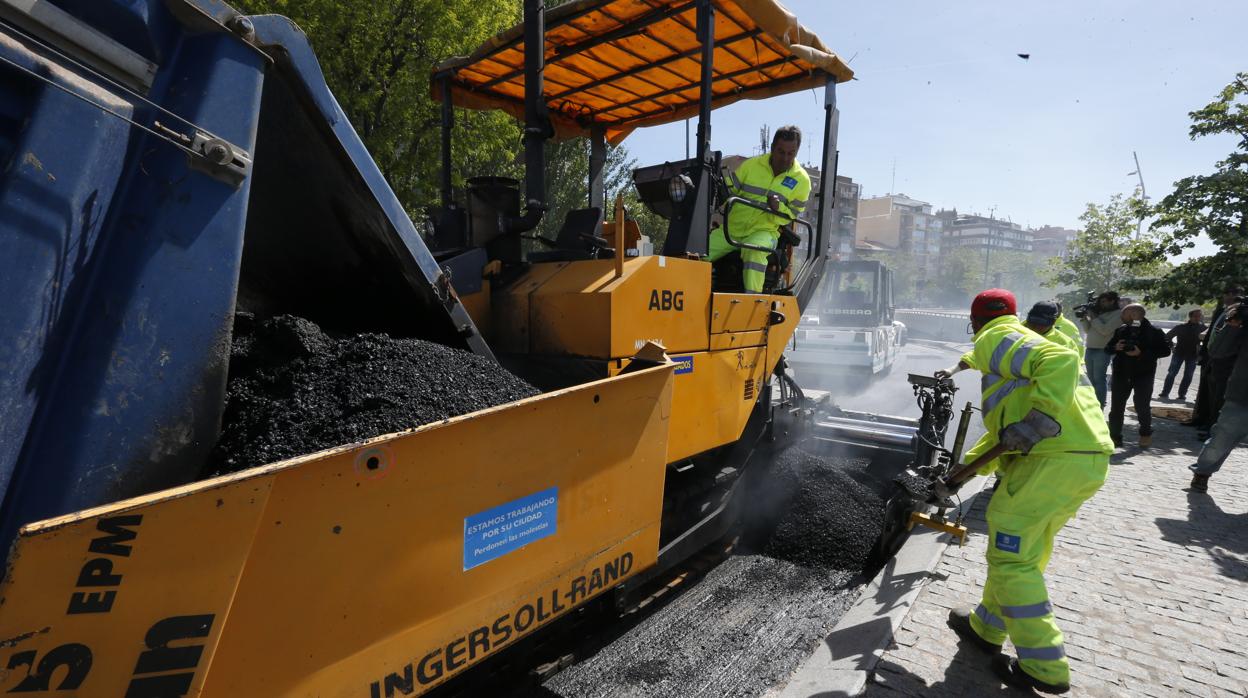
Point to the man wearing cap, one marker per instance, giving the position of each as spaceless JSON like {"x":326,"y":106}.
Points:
{"x":1057,"y":455}
{"x":1043,"y":318}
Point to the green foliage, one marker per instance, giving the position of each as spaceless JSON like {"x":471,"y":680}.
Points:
{"x":377,"y":57}
{"x":651,"y":224}
{"x":962,"y":275}
{"x":1016,"y":271}
{"x":567,"y":187}
{"x":959,"y":277}
{"x":1104,"y":255}
{"x":1215,"y":204}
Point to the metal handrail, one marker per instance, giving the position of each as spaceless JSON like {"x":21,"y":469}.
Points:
{"x":734,"y":200}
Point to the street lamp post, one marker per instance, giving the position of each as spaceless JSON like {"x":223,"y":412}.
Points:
{"x":1143,"y":195}
{"x":992,"y":212}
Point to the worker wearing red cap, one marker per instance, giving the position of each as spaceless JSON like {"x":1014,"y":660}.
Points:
{"x":1057,"y":455}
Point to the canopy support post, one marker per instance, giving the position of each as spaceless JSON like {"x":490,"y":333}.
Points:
{"x":537,"y":129}
{"x":688,"y":233}
{"x":827,"y":174}
{"x":706,"y":36}
{"x":597,"y":167}
{"x":448,"y":125}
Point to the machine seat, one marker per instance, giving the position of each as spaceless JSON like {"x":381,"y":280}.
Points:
{"x":577,"y":239}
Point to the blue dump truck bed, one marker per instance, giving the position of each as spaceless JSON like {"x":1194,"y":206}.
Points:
{"x":166,"y":163}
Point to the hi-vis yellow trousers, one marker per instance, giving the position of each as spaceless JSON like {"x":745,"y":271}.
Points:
{"x":1038,"y":494}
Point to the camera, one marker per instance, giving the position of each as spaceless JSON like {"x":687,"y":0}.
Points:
{"x":1131,"y":337}
{"x":1081,"y":311}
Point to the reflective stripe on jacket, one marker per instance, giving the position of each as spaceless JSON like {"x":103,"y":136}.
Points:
{"x":1023,"y":371}
{"x":754,"y":180}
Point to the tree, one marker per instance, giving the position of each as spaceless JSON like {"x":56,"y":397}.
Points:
{"x":962,"y":274}
{"x":1104,"y":255}
{"x":377,"y":57}
{"x":567,"y":187}
{"x":1214,"y":204}
{"x":1017,"y":271}
{"x":958,"y":278}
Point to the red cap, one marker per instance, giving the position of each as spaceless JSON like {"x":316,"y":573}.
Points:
{"x":994,"y":302}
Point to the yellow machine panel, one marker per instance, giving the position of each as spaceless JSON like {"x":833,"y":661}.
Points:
{"x":716,"y":390}
{"x":715,"y":393}
{"x":736,"y":340}
{"x":509,"y":311}
{"x":585,"y":310}
{"x":780,"y":334}
{"x":375,"y":569}
{"x":740,"y":312}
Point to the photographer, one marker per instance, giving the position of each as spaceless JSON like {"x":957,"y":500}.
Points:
{"x":1232,"y":424}
{"x":1135,"y":346}
{"x":1099,"y":320}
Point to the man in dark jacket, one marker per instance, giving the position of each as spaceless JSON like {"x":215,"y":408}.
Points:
{"x":1225,"y":342}
{"x":1232,"y":424}
{"x":1135,"y":347}
{"x":1186,"y":350}
{"x":1203,"y":413}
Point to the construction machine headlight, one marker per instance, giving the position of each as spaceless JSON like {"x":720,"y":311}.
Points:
{"x":678,"y":187}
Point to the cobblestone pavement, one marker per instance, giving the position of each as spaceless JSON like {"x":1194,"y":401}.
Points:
{"x":1149,"y":585}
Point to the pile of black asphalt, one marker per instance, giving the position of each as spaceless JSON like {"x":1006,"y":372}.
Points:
{"x":294,"y":389}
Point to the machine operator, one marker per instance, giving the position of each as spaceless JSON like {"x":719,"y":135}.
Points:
{"x":776,"y":181}
{"x":1056,"y":449}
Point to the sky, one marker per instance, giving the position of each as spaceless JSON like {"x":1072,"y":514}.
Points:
{"x":941,"y":95}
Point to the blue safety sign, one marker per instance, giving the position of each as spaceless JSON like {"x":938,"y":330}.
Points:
{"x":507,"y":527}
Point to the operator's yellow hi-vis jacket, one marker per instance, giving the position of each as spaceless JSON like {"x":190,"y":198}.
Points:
{"x":1023,"y":371}
{"x":754,"y":180}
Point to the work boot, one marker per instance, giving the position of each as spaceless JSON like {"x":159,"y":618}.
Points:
{"x":1011,"y":672}
{"x":1200,"y":483}
{"x":1146,"y":440}
{"x":1163,"y":398}
{"x":960,"y":621}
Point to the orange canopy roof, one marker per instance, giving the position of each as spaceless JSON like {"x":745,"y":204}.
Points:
{"x":624,"y":64}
